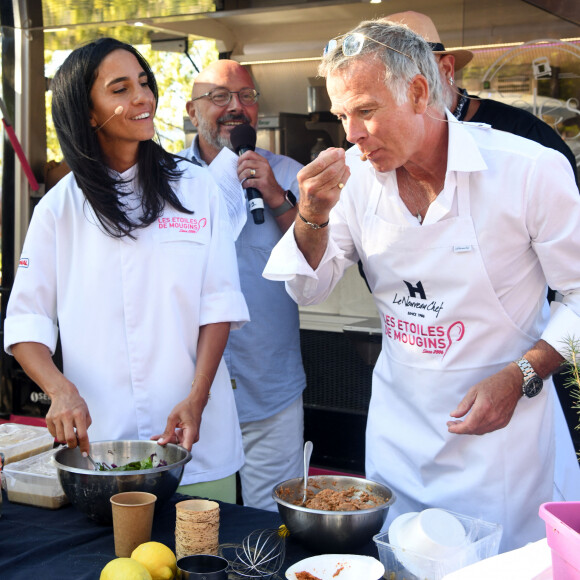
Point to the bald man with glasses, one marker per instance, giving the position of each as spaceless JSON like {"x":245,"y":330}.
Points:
{"x":264,"y":358}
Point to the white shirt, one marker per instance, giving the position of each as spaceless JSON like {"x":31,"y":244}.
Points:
{"x":129,"y":312}
{"x":526,"y":212}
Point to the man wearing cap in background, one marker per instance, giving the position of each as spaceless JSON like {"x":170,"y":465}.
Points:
{"x":264,"y":358}
{"x":467,"y":107}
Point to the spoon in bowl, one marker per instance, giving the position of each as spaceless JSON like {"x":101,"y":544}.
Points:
{"x":97,"y":465}
{"x":307,"y":453}
{"x":88,"y":456}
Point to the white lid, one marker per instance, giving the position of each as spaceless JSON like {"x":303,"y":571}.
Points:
{"x":16,"y":439}
{"x":41,"y":464}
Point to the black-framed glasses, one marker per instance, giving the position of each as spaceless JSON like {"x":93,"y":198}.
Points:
{"x":353,"y":43}
{"x":222,"y":97}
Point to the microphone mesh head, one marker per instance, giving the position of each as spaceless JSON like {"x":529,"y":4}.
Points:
{"x":243,"y":137}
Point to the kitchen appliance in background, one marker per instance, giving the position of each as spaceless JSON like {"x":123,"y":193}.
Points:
{"x":288,"y":134}
{"x":317,"y":95}
{"x":320,"y":117}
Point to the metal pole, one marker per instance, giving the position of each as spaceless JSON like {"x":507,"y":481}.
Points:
{"x":29,"y":109}
{"x":23,"y":89}
{"x":8,"y":158}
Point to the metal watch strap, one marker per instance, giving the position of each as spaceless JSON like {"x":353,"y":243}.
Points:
{"x":286,"y":206}
{"x":526,"y":368}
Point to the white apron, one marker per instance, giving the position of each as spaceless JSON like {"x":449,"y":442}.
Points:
{"x":444,"y":331}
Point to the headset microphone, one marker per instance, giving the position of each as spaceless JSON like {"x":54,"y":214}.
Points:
{"x":118,"y":111}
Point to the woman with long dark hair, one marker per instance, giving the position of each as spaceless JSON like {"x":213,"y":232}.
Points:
{"x":130,"y":260}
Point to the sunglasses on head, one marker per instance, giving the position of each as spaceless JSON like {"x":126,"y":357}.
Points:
{"x":353,"y":43}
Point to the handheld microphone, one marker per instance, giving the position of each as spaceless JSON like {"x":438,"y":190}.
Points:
{"x":243,"y":138}
{"x":118,"y":111}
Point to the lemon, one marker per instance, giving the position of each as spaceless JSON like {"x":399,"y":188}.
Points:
{"x":124,"y":569}
{"x":158,"y":559}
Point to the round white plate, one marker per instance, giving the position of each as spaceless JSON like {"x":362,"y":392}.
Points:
{"x":348,"y":566}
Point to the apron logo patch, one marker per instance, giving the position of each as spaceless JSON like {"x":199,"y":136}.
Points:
{"x":181,"y":224}
{"x":417,"y":301}
{"x":414,"y":290}
{"x":23,"y":263}
{"x":430,"y":338}
{"x":455,"y":333}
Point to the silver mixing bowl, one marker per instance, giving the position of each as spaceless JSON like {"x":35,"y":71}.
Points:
{"x":331,"y":531}
{"x":89,"y":490}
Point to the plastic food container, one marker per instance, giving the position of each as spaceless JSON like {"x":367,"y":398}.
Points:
{"x":483,"y":541}
{"x":21,"y":441}
{"x":563,"y":533}
{"x":34,"y":481}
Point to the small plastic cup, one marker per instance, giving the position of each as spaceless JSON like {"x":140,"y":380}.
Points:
{"x":132,"y":520}
{"x":203,"y":566}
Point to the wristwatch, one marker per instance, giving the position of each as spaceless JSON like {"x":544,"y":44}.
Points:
{"x":289,"y":203}
{"x":533,"y":383}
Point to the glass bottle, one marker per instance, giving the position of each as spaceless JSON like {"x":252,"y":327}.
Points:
{"x":317,"y":148}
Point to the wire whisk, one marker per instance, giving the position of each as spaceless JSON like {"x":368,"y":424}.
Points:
{"x":261,"y":553}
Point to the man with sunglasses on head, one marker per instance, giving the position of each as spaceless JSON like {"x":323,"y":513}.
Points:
{"x":458,"y":246}
{"x":264,"y":358}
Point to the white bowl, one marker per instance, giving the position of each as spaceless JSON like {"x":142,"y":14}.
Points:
{"x":339,"y":566}
{"x":483,"y":540}
{"x":432,"y":533}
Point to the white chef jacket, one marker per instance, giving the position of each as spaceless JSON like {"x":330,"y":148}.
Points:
{"x":129,"y":312}
{"x":522,"y":240}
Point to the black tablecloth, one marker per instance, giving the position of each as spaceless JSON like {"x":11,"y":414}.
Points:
{"x":64,"y":543}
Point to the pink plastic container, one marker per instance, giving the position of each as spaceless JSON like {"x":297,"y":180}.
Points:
{"x":563,"y":533}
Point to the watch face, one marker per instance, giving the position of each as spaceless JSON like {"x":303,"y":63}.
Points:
{"x":533,"y":386}
{"x":291,"y":197}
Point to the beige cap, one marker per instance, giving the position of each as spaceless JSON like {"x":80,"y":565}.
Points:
{"x":423,"y":26}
